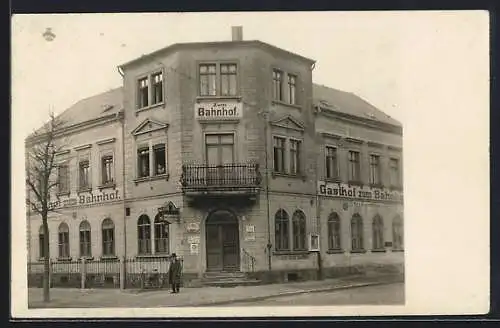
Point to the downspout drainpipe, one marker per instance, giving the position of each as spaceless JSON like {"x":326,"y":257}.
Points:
{"x":122,"y":121}
{"x":269,"y":245}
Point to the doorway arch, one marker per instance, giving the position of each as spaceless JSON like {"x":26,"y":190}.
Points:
{"x":222,"y":241}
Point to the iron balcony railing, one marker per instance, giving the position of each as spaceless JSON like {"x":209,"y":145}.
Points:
{"x":226,"y":176}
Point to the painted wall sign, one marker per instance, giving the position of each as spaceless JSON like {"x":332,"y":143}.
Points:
{"x":218,"y":110}
{"x":250,"y":228}
{"x":343,"y":190}
{"x":86,"y":199}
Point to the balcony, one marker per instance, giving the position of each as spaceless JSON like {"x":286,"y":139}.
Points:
{"x":220,"y":180}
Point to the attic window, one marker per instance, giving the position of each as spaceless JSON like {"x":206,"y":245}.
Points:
{"x":370,"y":115}
{"x":324,"y":103}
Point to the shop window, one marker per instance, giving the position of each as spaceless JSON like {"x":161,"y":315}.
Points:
{"x":41,"y":243}
{"x":334,"y":232}
{"x":144,"y":235}
{"x":397,"y":233}
{"x":108,"y":237}
{"x":161,"y":236}
{"x":357,"y":242}
{"x":85,"y":240}
{"x":378,"y":233}
{"x":282,"y":229}
{"x":63,"y":241}
{"x":299,"y":230}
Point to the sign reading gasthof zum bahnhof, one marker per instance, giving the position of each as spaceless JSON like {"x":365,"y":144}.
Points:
{"x":218,"y":110}
{"x":342,"y":190}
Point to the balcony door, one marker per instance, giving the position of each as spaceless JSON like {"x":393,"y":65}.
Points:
{"x":222,"y":242}
{"x":220,"y":156}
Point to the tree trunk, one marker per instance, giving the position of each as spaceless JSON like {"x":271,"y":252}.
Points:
{"x":46,"y":264}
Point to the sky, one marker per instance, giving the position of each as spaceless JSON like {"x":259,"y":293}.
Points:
{"x":356,"y":52}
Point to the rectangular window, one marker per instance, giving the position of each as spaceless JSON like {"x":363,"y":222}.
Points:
{"x":294,"y":156}
{"x":63,"y":178}
{"x":84,"y":172}
{"x":143,"y":98}
{"x":354,"y":168}
{"x":108,"y":241}
{"x":279,"y":154}
{"x":374,"y":169}
{"x":159,"y":159}
{"x":277,"y":85}
{"x":143,"y":162}
{"x":161,"y":237}
{"x":332,"y":171}
{"x":394,"y":172}
{"x":228,"y":79}
{"x":208,"y":78}
{"x":292,"y":88}
{"x":157,"y":79}
{"x":85,"y":244}
{"x":107,"y":170}
{"x":63,"y":244}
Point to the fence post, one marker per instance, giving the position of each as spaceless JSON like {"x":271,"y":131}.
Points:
{"x":83,"y":273}
{"x":50,"y":273}
{"x":122,"y":272}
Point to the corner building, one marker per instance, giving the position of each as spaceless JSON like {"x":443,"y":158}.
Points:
{"x":236,"y":161}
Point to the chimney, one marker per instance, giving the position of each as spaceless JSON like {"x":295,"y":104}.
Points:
{"x":237,"y":33}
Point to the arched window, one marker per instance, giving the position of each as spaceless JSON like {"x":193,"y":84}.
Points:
{"x":299,"y":230}
{"x":334,"y":232}
{"x":144,"y":234}
{"x":161,"y":235}
{"x":108,"y":237}
{"x":378,"y":233}
{"x":281,"y":231}
{"x":85,"y":241}
{"x":397,"y":233}
{"x":357,"y":233}
{"x":63,"y":241}
{"x":41,"y":242}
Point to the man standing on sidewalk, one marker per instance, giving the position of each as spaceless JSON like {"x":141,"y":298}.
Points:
{"x":175,"y":273}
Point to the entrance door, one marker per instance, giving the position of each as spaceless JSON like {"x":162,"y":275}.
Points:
{"x":222,"y":240}
{"x":220,"y":151}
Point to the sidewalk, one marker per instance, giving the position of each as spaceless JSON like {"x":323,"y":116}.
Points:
{"x":206,"y":296}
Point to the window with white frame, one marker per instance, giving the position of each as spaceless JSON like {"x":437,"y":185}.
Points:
{"x":63,"y":241}
{"x":144,"y":235}
{"x":63,"y":178}
{"x":375,"y":169}
{"x":161,"y":235}
{"x":84,"y":174}
{"x":218,"y":79}
{"x":108,"y":237}
{"x":277,"y":85}
{"x":85,"y":239}
{"x":292,"y":88}
{"x":228,"y":79}
{"x":354,"y":166}
{"x":150,"y":90}
{"x":208,"y":79}
{"x":107,"y":169}
{"x":394,"y":172}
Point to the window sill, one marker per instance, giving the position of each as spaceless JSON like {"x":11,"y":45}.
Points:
{"x":152,"y":178}
{"x":398,"y":250}
{"x":301,"y":252}
{"x":200,"y":98}
{"x":378,"y":250}
{"x":288,"y":175}
{"x":153,"y":256}
{"x":358,"y":251}
{"x":84,"y":190}
{"x":64,"y":259}
{"x":86,"y":258}
{"x":142,"y":109}
{"x":335,"y":251}
{"x":355,"y":183}
{"x":284,"y":103}
{"x":110,"y":185}
{"x":108,"y":257}
{"x":63,"y":193}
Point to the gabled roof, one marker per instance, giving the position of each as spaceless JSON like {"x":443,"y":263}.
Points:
{"x":94,"y":107}
{"x":149,"y":125}
{"x":288,"y":122}
{"x":349,"y":103}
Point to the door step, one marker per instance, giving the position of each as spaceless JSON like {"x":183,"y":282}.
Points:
{"x":228,"y":279}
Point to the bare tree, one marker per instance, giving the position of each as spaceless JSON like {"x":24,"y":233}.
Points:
{"x":41,"y":179}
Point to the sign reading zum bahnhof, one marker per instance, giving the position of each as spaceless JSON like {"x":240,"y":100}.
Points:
{"x":85,"y":199}
{"x":218,"y":111}
{"x":342,"y":190}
